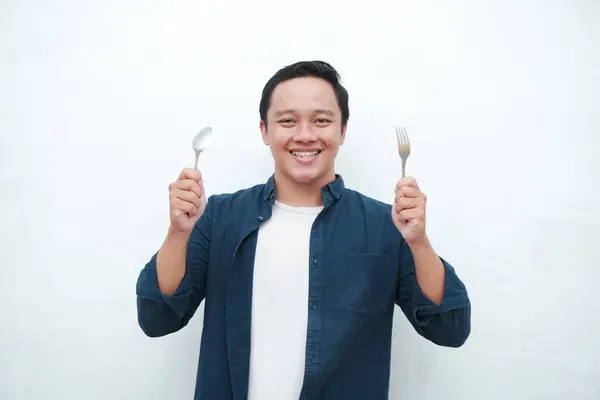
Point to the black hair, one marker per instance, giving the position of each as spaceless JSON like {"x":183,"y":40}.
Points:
{"x":317,"y":69}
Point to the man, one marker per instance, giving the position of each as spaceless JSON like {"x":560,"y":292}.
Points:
{"x":300,"y":274}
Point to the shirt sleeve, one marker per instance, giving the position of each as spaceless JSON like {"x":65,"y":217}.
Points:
{"x":160,"y":314}
{"x":447,"y":324}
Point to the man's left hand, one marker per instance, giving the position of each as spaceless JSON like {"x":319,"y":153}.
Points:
{"x":408,"y":212}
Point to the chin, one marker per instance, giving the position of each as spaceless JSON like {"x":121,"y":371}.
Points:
{"x":306,"y":176}
{"x":304,"y":179}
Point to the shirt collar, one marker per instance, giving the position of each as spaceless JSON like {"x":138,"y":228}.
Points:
{"x":330,"y":192}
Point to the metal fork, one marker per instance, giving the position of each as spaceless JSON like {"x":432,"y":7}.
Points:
{"x":403,"y":146}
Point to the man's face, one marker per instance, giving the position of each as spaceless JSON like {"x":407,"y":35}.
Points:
{"x":304,"y":130}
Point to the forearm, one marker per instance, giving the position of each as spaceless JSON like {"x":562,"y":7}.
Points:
{"x":433,"y":296}
{"x":171,"y":262}
{"x":168,"y":293}
{"x":429,"y":269}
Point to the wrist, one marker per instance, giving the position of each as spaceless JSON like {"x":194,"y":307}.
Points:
{"x":177,"y":235}
{"x":420,"y":245}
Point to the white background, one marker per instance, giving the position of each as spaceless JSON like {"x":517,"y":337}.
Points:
{"x":99,"y":101}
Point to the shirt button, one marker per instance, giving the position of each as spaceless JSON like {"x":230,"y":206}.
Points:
{"x":259,"y":218}
{"x":314,"y":306}
{"x":314,"y":260}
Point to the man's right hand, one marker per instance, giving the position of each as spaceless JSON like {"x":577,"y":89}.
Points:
{"x":187,"y":201}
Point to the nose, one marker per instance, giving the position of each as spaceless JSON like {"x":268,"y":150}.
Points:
{"x":305,"y":134}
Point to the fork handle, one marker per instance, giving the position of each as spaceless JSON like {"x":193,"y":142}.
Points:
{"x":404,"y":168}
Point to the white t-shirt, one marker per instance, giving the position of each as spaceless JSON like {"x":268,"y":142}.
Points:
{"x":280,"y":304}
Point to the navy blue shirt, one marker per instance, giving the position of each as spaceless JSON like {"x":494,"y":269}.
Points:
{"x":360,"y":267}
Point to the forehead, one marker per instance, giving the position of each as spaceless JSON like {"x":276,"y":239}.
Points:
{"x":306,"y":93}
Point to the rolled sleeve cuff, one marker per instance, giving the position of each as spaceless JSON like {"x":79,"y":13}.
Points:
{"x":455,"y":297}
{"x":147,"y":288}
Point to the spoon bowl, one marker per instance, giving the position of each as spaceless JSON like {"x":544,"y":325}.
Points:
{"x":202,"y":139}
{"x":201,"y":142}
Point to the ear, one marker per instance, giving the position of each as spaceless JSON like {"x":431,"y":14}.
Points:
{"x":263,"y":131}
{"x":343,"y":134}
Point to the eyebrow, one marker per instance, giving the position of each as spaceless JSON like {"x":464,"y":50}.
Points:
{"x":318,"y":111}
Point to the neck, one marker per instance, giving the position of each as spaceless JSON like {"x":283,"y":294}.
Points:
{"x":298,"y":194}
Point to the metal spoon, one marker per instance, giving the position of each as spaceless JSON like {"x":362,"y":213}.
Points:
{"x":201,"y":142}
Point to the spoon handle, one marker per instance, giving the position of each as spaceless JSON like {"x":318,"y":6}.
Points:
{"x":196,"y":161}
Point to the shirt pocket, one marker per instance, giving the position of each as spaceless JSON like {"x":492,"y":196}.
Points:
{"x":367,"y":283}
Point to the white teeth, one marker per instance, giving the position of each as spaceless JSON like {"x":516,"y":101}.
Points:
{"x":305,"y":153}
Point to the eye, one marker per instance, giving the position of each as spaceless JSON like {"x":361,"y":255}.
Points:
{"x":286,"y":121}
{"x":323,"y":121}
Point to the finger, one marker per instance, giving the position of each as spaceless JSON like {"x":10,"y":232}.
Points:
{"x":190,"y":186}
{"x":408,"y":181}
{"x":189,"y":173}
{"x":405,"y":203}
{"x":180,"y":206}
{"x":408,"y":191}
{"x":188,"y":196}
{"x":408,"y":214}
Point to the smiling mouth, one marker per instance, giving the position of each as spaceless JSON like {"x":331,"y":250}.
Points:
{"x":305,"y":155}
